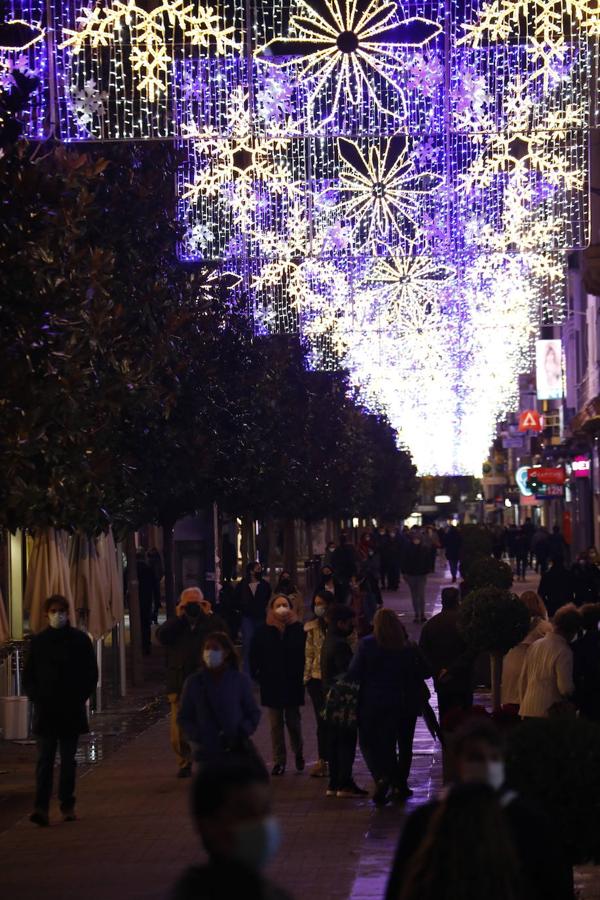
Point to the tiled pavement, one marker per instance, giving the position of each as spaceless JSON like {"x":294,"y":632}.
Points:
{"x":135,"y":836}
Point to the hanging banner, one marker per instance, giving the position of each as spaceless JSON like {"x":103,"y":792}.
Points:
{"x":548,"y":369}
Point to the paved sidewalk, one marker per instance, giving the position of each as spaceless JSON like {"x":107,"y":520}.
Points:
{"x":135,"y":836}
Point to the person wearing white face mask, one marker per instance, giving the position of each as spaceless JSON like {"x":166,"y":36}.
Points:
{"x":218,"y":711}
{"x":478,"y":758}
{"x":316,"y":630}
{"x":59,"y":676}
{"x":231,"y":806}
{"x":277,"y":663}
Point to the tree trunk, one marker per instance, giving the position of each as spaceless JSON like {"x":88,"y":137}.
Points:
{"x":310,"y":547}
{"x":496,"y":678}
{"x":135,"y":620}
{"x":168,"y":563}
{"x":289,"y":548}
{"x":248,"y":547}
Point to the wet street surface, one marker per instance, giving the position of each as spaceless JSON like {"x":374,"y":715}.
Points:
{"x":134,"y":836}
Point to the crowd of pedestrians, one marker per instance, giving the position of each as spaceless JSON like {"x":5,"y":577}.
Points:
{"x":366,"y":681}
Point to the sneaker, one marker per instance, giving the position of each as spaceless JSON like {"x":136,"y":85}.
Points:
{"x":331,"y":792}
{"x":69,"y":815}
{"x":352,"y":790}
{"x":319,"y":770}
{"x":185,"y":772}
{"x":278,"y":769}
{"x":39,"y":817}
{"x":300,"y":762}
{"x":400,"y":794}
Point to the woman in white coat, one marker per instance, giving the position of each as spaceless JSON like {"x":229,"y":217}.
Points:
{"x":547,"y":677}
{"x":514,"y":660}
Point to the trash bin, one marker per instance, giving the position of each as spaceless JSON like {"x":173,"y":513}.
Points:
{"x":14,"y":718}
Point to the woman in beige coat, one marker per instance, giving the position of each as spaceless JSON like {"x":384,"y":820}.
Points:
{"x":515,"y":658}
{"x":315,"y":636}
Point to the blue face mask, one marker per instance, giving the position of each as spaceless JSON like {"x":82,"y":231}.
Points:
{"x":257,"y":842}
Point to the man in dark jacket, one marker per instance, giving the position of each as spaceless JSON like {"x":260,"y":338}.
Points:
{"x":59,"y":677}
{"x":343,"y":560}
{"x":586,"y":663}
{"x":478,"y":757}
{"x":557,"y":586}
{"x":231,"y":806}
{"x":452,"y":543}
{"x":252,"y":596}
{"x":416,"y":564}
{"x":183,"y":636}
{"x":448,"y":656}
{"x":336,"y":656}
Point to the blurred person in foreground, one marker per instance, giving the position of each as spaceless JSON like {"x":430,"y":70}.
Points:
{"x":59,"y":676}
{"x":231,"y":809}
{"x":183,"y":637}
{"x":478,"y":758}
{"x":467,"y":852}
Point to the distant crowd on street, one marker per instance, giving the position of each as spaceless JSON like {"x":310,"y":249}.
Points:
{"x":270,"y":647}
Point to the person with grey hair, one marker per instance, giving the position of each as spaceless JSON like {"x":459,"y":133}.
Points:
{"x":547,"y":676}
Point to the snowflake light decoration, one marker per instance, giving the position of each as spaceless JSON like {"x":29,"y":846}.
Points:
{"x":408,"y":282}
{"x":381,"y":192}
{"x":149,"y":57}
{"x":350,"y":49}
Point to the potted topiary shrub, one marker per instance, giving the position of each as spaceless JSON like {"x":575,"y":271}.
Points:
{"x":485,"y":571}
{"x":476,"y":543}
{"x":555,"y":765}
{"x":493,"y":620}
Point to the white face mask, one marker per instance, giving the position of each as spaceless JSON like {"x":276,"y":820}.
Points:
{"x":319,"y":611}
{"x":282,"y":611}
{"x":213,"y":658}
{"x":257,"y":842}
{"x":490,"y":773}
{"x":57,"y":619}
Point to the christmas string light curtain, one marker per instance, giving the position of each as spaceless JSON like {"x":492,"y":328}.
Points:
{"x":23,"y":51}
{"x":397,"y":181}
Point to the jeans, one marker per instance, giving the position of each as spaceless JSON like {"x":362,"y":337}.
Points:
{"x":315,"y":692}
{"x":44,"y":772}
{"x":416,"y":585}
{"x":341,"y":750}
{"x":290,"y":716}
{"x":179,"y":744}
{"x":386,"y":742}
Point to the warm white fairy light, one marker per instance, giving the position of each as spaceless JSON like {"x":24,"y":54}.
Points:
{"x":151,"y":34}
{"x":352,"y":50}
{"x":394,"y":182}
{"x":381,"y":192}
